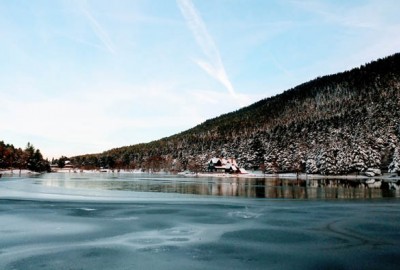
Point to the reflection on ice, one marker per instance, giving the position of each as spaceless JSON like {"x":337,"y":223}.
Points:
{"x":235,"y":187}
{"x":87,"y":209}
{"x":242,"y":214}
{"x":145,"y":186}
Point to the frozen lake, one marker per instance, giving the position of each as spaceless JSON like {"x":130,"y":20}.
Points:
{"x":134,"y":221}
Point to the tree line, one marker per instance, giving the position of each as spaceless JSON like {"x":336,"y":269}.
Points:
{"x":17,"y":158}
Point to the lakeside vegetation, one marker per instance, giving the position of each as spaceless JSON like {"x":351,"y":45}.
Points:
{"x":17,"y":158}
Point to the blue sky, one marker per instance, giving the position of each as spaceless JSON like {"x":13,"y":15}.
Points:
{"x":85,"y":76}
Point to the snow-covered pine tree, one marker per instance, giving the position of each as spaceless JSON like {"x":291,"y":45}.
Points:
{"x":394,"y":166}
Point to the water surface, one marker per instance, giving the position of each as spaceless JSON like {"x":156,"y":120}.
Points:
{"x":236,"y":187}
{"x":105,"y":221}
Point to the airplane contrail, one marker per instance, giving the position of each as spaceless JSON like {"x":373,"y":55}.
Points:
{"x":213,"y":66}
{"x":98,"y":29}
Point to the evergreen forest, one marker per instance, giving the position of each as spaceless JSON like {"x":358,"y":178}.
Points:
{"x":16,"y":158}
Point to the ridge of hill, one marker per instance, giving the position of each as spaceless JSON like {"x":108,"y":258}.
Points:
{"x":335,"y":124}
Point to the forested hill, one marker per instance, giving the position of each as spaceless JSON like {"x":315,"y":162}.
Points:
{"x":335,"y":124}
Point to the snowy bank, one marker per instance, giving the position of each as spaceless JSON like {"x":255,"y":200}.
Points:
{"x":17,"y":172}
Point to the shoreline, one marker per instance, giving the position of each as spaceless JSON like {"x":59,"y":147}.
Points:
{"x":6,"y":172}
{"x":294,"y":176}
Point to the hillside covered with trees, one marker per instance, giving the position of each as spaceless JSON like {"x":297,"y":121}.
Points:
{"x":336,"y":124}
{"x":16,"y":158}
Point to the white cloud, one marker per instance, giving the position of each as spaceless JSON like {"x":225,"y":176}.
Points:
{"x":99,"y":117}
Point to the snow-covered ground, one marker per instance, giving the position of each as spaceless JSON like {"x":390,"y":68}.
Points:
{"x":17,"y":172}
{"x":301,"y":176}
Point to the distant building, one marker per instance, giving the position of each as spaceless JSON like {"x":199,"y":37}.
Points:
{"x":222,"y":165}
{"x":68,"y":165}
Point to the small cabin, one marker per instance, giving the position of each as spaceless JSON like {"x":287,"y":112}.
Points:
{"x":68,"y":165}
{"x":222,"y":165}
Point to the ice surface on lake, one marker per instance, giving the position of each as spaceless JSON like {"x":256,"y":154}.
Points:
{"x":55,"y":222}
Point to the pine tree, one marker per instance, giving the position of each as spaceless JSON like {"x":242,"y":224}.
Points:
{"x":394,"y":166}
